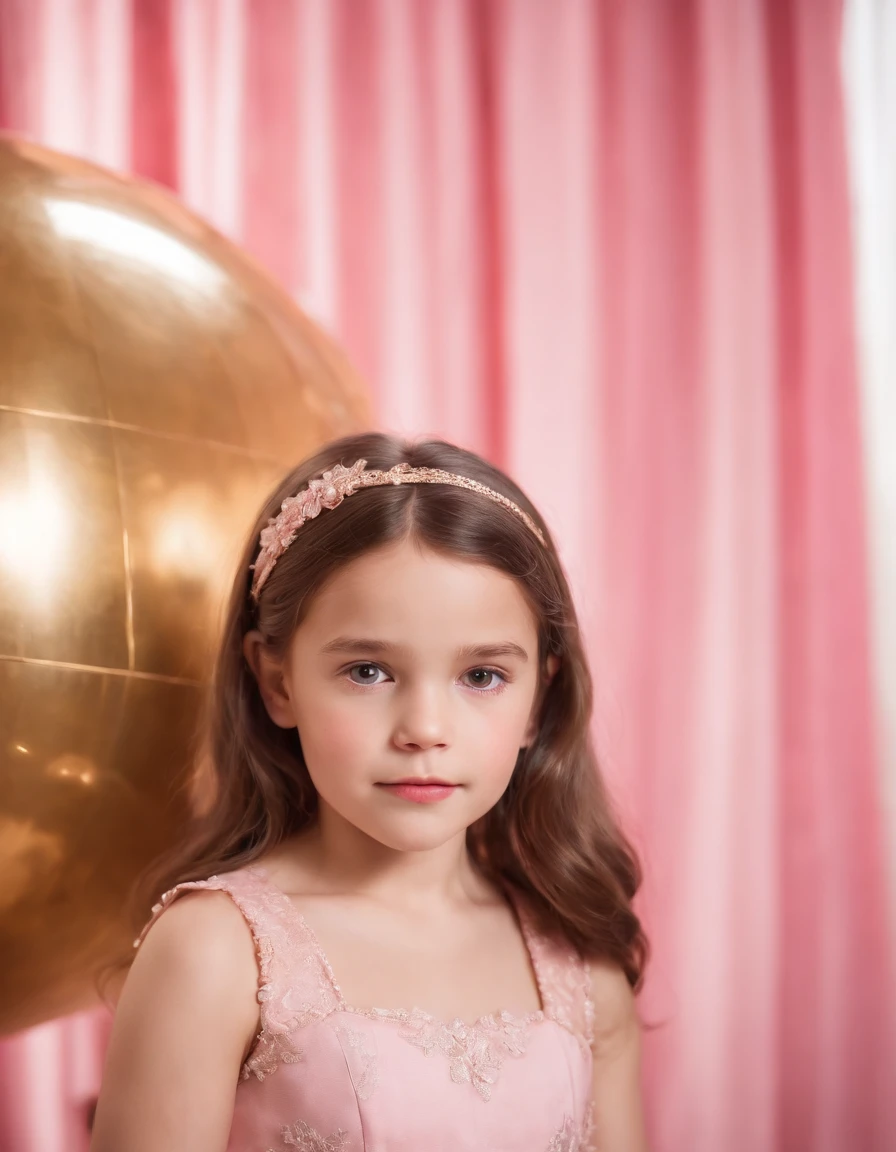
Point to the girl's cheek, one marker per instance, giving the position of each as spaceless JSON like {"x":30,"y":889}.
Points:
{"x":339,"y":730}
{"x":343,"y":711}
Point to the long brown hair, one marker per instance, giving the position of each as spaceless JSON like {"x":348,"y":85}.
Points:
{"x":553,"y":834}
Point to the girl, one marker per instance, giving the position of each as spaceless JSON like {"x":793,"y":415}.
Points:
{"x":403,"y":921}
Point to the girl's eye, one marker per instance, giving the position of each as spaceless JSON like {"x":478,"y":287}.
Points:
{"x":369,"y":670}
{"x":489,"y":685}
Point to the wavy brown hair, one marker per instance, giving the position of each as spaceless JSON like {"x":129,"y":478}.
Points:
{"x":553,"y":834}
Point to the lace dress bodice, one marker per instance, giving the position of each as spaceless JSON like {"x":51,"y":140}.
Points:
{"x":324,"y":1076}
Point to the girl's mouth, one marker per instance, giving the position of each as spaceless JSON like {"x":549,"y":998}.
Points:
{"x":420,"y":791}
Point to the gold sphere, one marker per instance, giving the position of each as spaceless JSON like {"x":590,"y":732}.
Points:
{"x":154,"y":385}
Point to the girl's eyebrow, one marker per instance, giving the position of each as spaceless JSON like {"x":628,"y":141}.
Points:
{"x":469,"y":652}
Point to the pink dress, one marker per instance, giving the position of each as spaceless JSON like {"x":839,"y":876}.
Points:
{"x":324,"y":1076}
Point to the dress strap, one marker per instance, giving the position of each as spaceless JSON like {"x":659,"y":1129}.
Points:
{"x":563,"y":977}
{"x":294,"y":989}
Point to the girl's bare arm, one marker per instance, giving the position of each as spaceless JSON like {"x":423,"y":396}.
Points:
{"x":185,"y":1019}
{"x":617,"y":1109}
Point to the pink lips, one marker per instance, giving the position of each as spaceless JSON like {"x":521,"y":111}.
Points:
{"x":420,"y":791}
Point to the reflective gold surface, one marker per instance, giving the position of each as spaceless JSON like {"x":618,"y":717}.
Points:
{"x":153,"y":385}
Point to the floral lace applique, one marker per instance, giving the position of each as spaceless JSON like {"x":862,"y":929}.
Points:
{"x":588,"y":1130}
{"x":271,"y":1050}
{"x":566,"y":1138}
{"x":366,"y":1077}
{"x":475,"y":1052}
{"x":307,"y":1139}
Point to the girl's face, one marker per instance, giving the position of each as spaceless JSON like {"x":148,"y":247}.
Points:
{"x":408,"y":664}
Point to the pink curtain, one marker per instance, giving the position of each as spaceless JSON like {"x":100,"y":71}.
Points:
{"x":607,"y":245}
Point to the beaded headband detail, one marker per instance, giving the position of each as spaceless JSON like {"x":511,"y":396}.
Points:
{"x":331,"y":489}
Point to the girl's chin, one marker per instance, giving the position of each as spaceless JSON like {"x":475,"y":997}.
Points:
{"x":412,"y":837}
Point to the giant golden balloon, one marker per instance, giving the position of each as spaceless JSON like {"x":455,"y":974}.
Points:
{"x":154,"y":384}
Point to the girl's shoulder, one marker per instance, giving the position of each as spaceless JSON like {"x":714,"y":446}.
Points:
{"x":287,"y":968}
{"x":241,"y":887}
{"x":231,"y":903}
{"x":205,"y":922}
{"x":203,"y":940}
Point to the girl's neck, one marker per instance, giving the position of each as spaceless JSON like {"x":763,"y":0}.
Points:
{"x":335,"y":858}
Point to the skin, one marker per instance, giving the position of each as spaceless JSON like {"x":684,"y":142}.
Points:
{"x":388,"y":886}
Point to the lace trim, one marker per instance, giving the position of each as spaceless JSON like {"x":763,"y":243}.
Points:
{"x":307,"y":1139}
{"x":366,"y":1079}
{"x":586,"y":1140}
{"x":475,"y":1052}
{"x":566,"y":1138}
{"x":564,"y":980}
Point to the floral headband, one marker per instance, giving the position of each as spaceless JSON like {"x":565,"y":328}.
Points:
{"x":331,"y":490}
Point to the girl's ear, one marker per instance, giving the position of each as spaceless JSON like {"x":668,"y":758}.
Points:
{"x":268,"y":671}
{"x":551,"y":665}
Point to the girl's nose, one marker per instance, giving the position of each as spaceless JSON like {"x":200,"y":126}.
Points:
{"x":422,"y":720}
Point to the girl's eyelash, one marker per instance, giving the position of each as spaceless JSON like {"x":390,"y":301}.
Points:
{"x":505,"y":679}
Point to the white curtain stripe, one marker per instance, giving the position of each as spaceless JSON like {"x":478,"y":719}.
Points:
{"x":869,"y":69}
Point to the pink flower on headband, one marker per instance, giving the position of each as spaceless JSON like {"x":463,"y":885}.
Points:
{"x":327,"y":492}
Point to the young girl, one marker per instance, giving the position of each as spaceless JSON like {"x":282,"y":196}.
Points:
{"x":403,"y":921}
